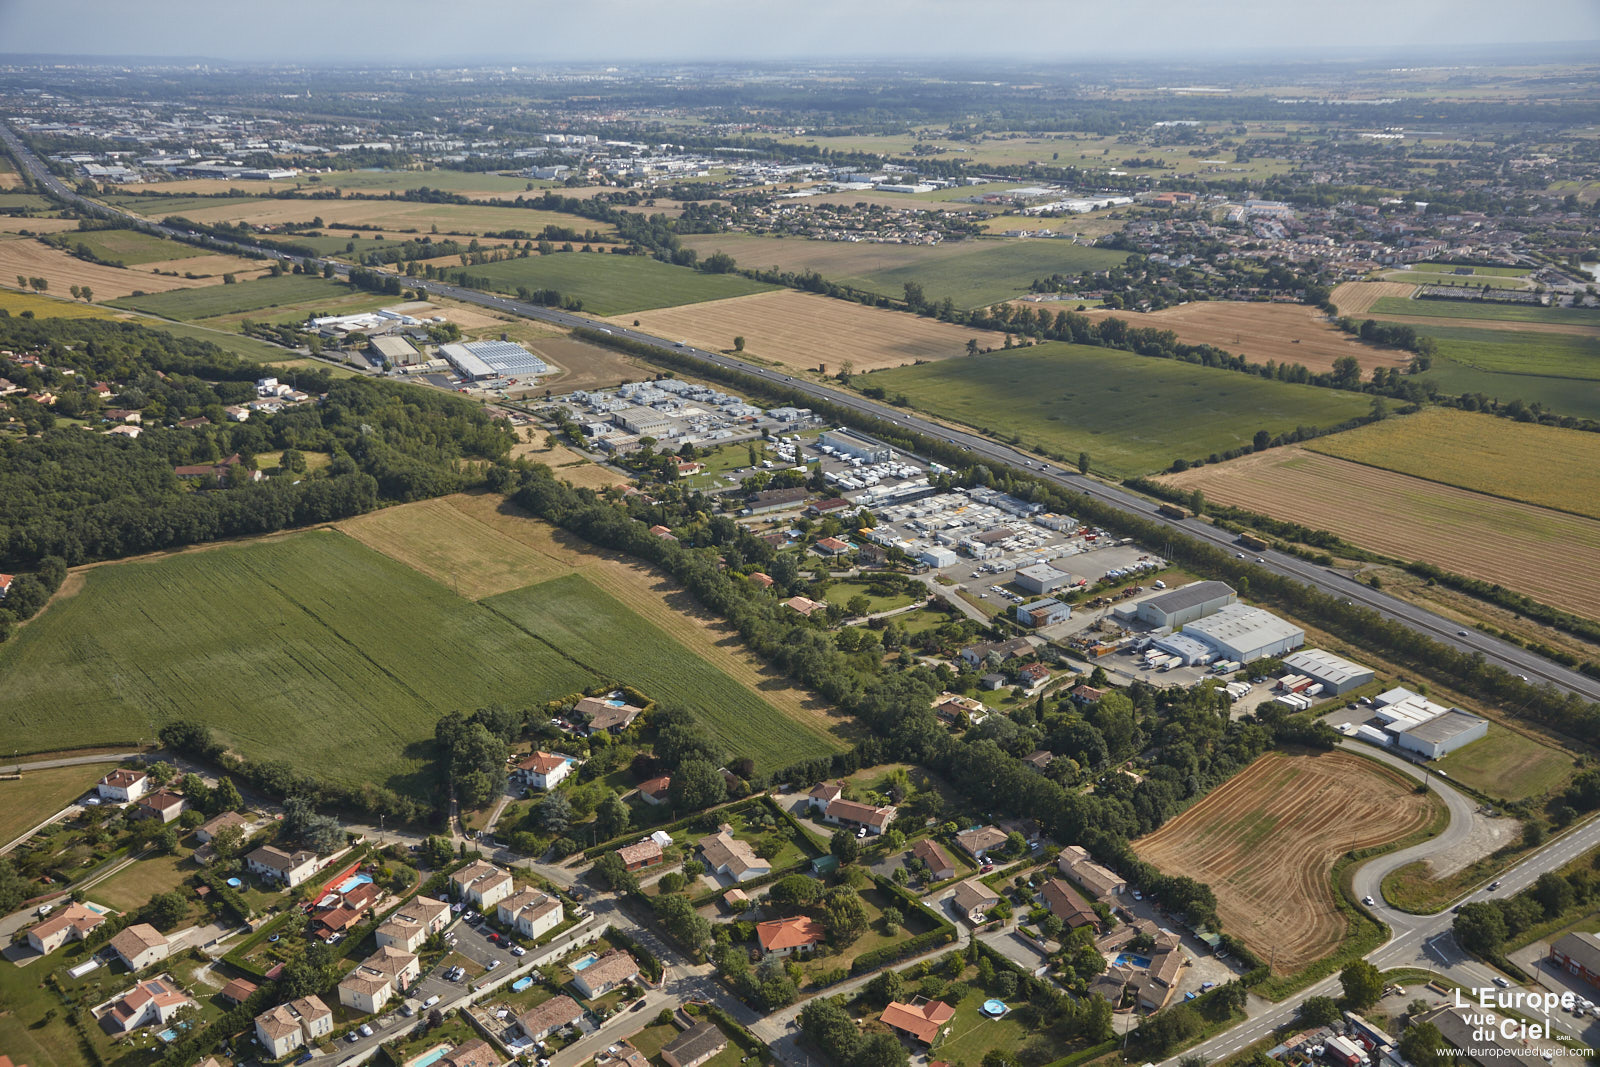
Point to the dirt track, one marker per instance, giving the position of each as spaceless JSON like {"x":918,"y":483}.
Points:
{"x":1267,"y":840}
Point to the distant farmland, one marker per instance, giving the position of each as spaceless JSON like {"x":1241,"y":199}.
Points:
{"x":1132,"y":414}
{"x":1266,"y":841}
{"x":972,"y":273}
{"x":611,"y":284}
{"x":255,"y":295}
{"x":1548,"y":555}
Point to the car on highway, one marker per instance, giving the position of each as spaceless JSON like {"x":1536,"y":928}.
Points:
{"x":1493,"y":886}
{"x":1461,"y":633}
{"x":1368,"y":901}
{"x":1501,"y":982}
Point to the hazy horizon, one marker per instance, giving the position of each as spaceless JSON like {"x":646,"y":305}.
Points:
{"x":373,"y":33}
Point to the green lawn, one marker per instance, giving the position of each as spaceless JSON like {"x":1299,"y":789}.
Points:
{"x":131,"y":887}
{"x":254,"y":295}
{"x":840,"y":593}
{"x":971,"y":1034}
{"x":310,"y":648}
{"x":37,"y":795}
{"x":1132,"y":414}
{"x":1509,"y":765}
{"x":611,"y":284}
{"x":1548,"y":355}
{"x":130,"y":247}
{"x":1473,"y":309}
{"x":602,"y":636}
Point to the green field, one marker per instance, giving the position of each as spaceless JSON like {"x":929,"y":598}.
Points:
{"x":450,"y":181}
{"x":971,"y":273}
{"x":1488,"y":272}
{"x":1546,"y":355}
{"x":1508,"y":765}
{"x":130,"y":247}
{"x":10,"y":202}
{"x":1473,"y":309}
{"x":254,"y":295}
{"x":612,"y":284}
{"x":1132,"y":414}
{"x":249,"y":348}
{"x":1561,"y":396}
{"x":316,"y":649}
{"x":49,"y":307}
{"x":160,"y":207}
{"x":598,"y":632}
{"x":1465,"y":281}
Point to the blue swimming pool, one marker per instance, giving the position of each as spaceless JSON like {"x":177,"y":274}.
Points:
{"x":1128,"y":959}
{"x":521,"y":983}
{"x":581,"y":964}
{"x":353,"y":881}
{"x":431,"y":1057}
{"x":234,"y":883}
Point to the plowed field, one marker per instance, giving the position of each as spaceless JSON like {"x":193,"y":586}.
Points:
{"x":1549,"y":555}
{"x":1286,"y":333}
{"x":1266,"y":843}
{"x":802,"y":330}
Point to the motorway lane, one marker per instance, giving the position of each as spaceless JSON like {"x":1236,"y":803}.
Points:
{"x":1512,"y":658}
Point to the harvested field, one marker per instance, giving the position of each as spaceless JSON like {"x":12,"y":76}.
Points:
{"x":48,"y":307}
{"x":802,"y":330}
{"x":1548,"y":555}
{"x":396,"y":215}
{"x":1357,"y":298}
{"x":1543,"y":465}
{"x":18,"y":223}
{"x":1266,"y":843}
{"x":1286,"y":333}
{"x":571,"y":467}
{"x":24,"y":255}
{"x":211,"y":266}
{"x":659,"y":600}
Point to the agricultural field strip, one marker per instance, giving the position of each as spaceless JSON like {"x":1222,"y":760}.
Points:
{"x":1266,"y":841}
{"x":27,"y":257}
{"x":1548,"y":555}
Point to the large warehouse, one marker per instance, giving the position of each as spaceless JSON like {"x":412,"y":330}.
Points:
{"x":1244,"y":634}
{"x":1196,"y":600}
{"x":1336,"y":674}
{"x":1442,"y":734}
{"x":856,"y":445}
{"x":492,"y":359}
{"x":1041,"y":578}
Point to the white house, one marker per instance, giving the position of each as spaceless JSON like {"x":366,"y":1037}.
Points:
{"x":482,"y":884}
{"x":140,"y":945}
{"x":124,"y":786}
{"x":413,"y":923}
{"x":544,"y":770}
{"x":285,"y":1028}
{"x":611,"y":970}
{"x":150,"y":1003}
{"x":377,"y":978}
{"x":531,"y":912}
{"x":290,"y":868}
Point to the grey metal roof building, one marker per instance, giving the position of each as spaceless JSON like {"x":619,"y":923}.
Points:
{"x":493,"y":359}
{"x":1244,"y":633}
{"x":1443,"y":734}
{"x":1186,"y":604}
{"x":1336,"y":674}
{"x":1042,"y":578}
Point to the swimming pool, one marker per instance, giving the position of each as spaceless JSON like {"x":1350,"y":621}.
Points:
{"x":234,"y":883}
{"x":431,"y":1057}
{"x":581,"y":964}
{"x":1128,"y":959}
{"x":352,"y":881}
{"x":521,"y":983}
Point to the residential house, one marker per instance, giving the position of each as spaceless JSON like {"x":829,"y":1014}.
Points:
{"x":70,"y":923}
{"x":335,"y":920}
{"x":290,"y":868}
{"x":140,"y":945}
{"x":544,"y":770}
{"x":1065,"y":904}
{"x":1578,"y":954}
{"x":663,"y":532}
{"x":981,"y":840}
{"x":149,"y":1003}
{"x":1087,"y":694}
{"x":614,"y":968}
{"x":973,"y":900}
{"x":920,"y":1021}
{"x":5,"y":584}
{"x":1039,"y":759}
{"x":611,"y":715}
{"x":285,"y":1028}
{"x":726,"y":854}
{"x":379,"y":976}
{"x":997,"y":652}
{"x":1113,"y":983}
{"x":482,"y":884}
{"x":1158,"y":983}
{"x":805,"y":605}
{"x":694,"y":1046}
{"x":953,"y":709}
{"x":123,"y":785}
{"x":1103,"y":884}
{"x":939,"y":862}
{"x":654,"y":792}
{"x":163,"y":804}
{"x":621,"y":1054}
{"x":641,"y":854}
{"x":761,"y":580}
{"x":412,"y":923}
{"x":531,"y":912}
{"x":221,"y":470}
{"x":826,"y":793}
{"x":781,"y":937}
{"x":238,"y":991}
{"x":1033,"y":675}
{"x":125,"y":431}
{"x":849,"y":814}
{"x":209,"y":829}
{"x":552,"y":1015}
{"x":474,"y":1053}
{"x":833,"y":546}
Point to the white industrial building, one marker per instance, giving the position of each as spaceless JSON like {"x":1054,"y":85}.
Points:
{"x":856,"y":445}
{"x":1043,"y":612}
{"x":1186,"y":648}
{"x":1442,"y":734}
{"x":1335,"y":674}
{"x":1244,"y":634}
{"x":475,"y":360}
{"x":1174,"y":608}
{"x":1042,"y":578}
{"x":937,"y":557}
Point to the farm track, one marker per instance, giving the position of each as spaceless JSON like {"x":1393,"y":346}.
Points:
{"x":1266,"y":842}
{"x":1551,"y":556}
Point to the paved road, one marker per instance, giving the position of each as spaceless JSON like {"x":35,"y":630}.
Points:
{"x":72,"y":761}
{"x":1514,"y":659}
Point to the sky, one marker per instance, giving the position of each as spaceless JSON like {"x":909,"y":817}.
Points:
{"x":544,"y":32}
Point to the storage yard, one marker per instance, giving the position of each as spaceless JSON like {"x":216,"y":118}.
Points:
{"x":1266,"y":842}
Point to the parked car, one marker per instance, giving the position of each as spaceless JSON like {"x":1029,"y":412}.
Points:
{"x":493,"y":964}
{"x":518,"y":950}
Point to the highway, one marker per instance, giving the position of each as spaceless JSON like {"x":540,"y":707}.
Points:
{"x":1518,"y":661}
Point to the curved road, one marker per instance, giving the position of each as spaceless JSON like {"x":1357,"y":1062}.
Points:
{"x":1517,"y":660}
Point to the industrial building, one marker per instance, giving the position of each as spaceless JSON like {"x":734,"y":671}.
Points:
{"x":395,"y":351}
{"x":1186,"y":648}
{"x":1196,"y":600}
{"x":1043,"y":612}
{"x":1335,"y":674}
{"x":1042,"y":578}
{"x":1442,"y":734}
{"x":856,"y":445}
{"x":1244,"y":634}
{"x":475,"y":360}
